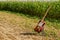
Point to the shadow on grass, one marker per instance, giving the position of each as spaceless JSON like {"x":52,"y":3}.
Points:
{"x":27,"y":33}
{"x":33,"y":33}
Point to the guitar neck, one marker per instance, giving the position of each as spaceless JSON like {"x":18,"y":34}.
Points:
{"x":46,"y":13}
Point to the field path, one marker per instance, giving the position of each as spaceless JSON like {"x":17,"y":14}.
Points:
{"x":13,"y":27}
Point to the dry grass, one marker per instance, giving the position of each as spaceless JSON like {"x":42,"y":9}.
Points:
{"x":11,"y":25}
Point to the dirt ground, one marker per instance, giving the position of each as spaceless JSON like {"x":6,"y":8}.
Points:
{"x":11,"y":28}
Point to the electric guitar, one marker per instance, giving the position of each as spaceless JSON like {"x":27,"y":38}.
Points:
{"x":41,"y":23}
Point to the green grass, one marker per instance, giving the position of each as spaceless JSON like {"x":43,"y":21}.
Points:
{"x":33,"y":8}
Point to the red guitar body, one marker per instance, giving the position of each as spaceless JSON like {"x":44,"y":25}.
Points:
{"x":39,"y":28}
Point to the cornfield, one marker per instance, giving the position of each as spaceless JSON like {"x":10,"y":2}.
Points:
{"x":33,"y":8}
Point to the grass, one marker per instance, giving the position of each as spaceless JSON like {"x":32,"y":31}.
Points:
{"x":27,"y":23}
{"x":33,"y":8}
